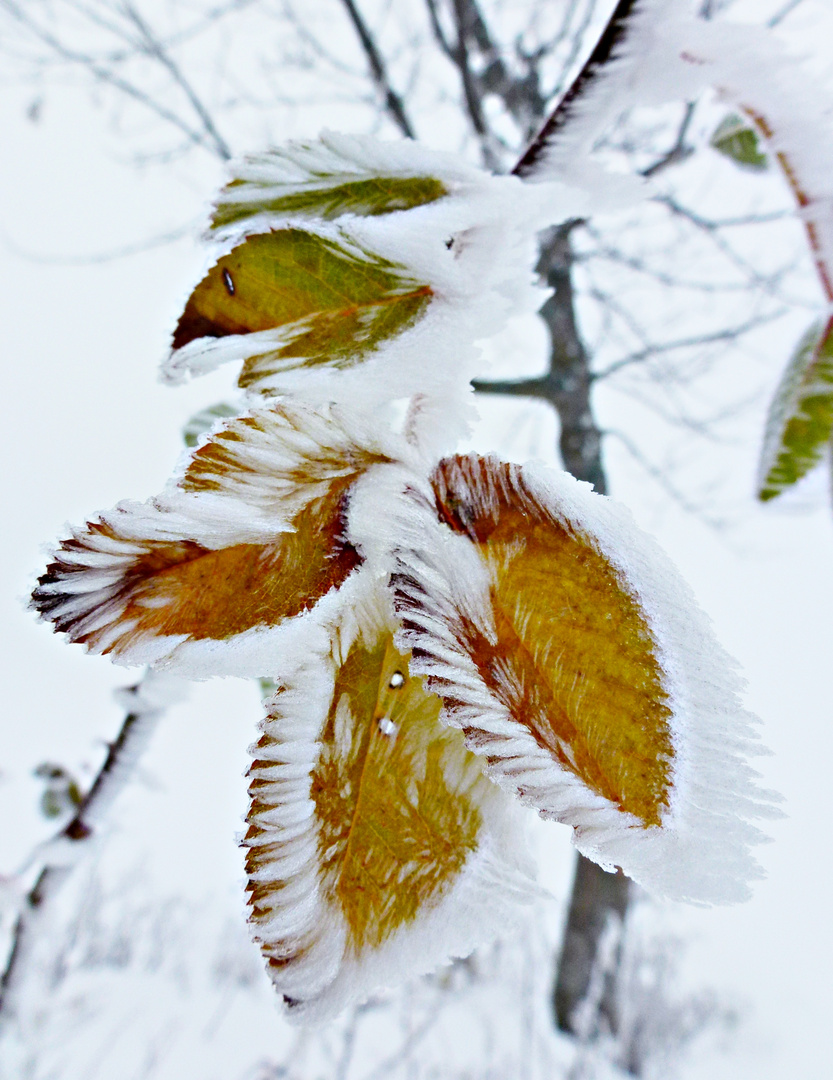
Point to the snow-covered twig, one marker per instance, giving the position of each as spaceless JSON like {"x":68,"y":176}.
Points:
{"x":145,"y":703}
{"x":605,"y":47}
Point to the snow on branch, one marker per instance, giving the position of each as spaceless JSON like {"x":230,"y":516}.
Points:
{"x":145,"y":703}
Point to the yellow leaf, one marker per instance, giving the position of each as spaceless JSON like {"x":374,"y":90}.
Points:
{"x":579,"y":667}
{"x":573,"y":658}
{"x":398,"y":807}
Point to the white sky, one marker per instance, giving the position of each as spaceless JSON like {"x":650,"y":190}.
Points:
{"x":86,"y":424}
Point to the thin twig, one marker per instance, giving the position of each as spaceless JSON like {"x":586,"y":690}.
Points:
{"x":105,"y":75}
{"x":393,"y":102}
{"x":111,"y":255}
{"x":779,"y":16}
{"x":712,"y":224}
{"x":576,"y":45}
{"x":436,"y":27}
{"x":660,"y":477}
{"x":767,"y":282}
{"x":754,"y":278}
{"x":153,"y":47}
{"x":520,"y":95}
{"x":731,"y":333}
{"x":535,"y":388}
{"x":679,"y":151}
{"x":471,"y":91}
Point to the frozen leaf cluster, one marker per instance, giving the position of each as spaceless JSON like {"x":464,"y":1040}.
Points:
{"x":452,"y":637}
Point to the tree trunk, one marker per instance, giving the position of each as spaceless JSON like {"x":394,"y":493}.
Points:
{"x":597,"y":896}
{"x":599,"y":900}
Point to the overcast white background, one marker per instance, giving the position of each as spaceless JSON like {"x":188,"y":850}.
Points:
{"x":85,"y":423}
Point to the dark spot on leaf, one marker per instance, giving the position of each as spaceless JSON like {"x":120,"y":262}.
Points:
{"x":228,"y":282}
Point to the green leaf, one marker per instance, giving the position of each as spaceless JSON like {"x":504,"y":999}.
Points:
{"x":267,"y":687}
{"x":735,"y":138}
{"x":325,"y":197}
{"x":327,"y":178}
{"x":335,"y":303}
{"x":62,"y":794}
{"x":800,"y":421}
{"x":203,"y":420}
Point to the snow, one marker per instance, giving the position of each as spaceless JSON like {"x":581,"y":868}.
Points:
{"x":87,"y":426}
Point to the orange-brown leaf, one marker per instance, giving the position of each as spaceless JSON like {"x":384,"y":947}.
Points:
{"x":185,"y":588}
{"x":251,"y":535}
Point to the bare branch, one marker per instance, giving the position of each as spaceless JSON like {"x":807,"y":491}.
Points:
{"x":660,"y":477}
{"x":393,"y":102}
{"x":169,"y":237}
{"x":472,"y":94}
{"x":289,"y":13}
{"x":723,"y":223}
{"x":153,"y":47}
{"x":779,"y":16}
{"x":768,"y":283}
{"x":679,"y":151}
{"x":598,"y":903}
{"x":439,"y":34}
{"x":536,"y":388}
{"x":521,"y":96}
{"x":731,"y":333}
{"x":567,"y":383}
{"x":104,"y":75}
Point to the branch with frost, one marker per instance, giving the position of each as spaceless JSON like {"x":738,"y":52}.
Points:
{"x":404,"y":597}
{"x":611,"y":37}
{"x":469,"y":68}
{"x":146,"y":701}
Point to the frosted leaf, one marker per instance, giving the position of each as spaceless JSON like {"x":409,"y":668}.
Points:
{"x":800,"y":420}
{"x":377,"y":849}
{"x":252,"y":534}
{"x":364,"y":308}
{"x":577,"y":664}
{"x":313,"y":299}
{"x":326,"y":179}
